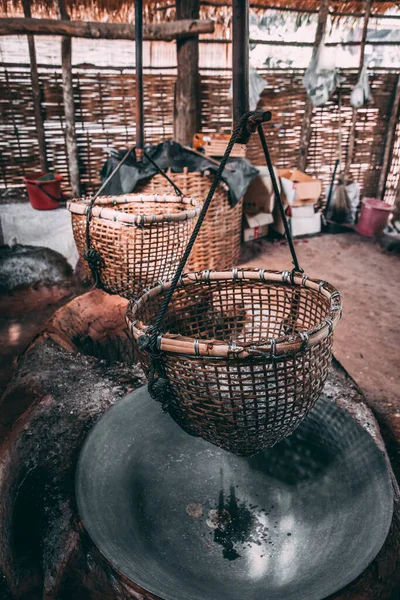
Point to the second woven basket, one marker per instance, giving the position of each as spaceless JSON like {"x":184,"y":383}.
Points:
{"x":130,"y":242}
{"x":218,"y":243}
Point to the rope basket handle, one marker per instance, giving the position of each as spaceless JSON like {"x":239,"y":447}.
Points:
{"x":91,"y":256}
{"x":247,"y":125}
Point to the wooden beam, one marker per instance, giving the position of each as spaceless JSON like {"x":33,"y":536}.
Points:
{"x":389,"y":140}
{"x":112,"y":31}
{"x":69,"y":107}
{"x":301,"y":44}
{"x":240,"y":58}
{"x":36,"y":95}
{"x":187,"y":120}
{"x":352,"y":133}
{"x":309,"y":44}
{"x":332,"y":13}
{"x":305,"y":134}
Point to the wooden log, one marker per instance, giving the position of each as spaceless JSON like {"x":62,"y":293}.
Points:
{"x":187,"y":118}
{"x":390,"y":137}
{"x":240,"y":58}
{"x":69,"y":108}
{"x":305,"y":134}
{"x":36,"y":94}
{"x":352,"y":133}
{"x":112,"y":31}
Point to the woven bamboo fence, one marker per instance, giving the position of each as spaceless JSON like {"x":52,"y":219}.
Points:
{"x":105,"y":105}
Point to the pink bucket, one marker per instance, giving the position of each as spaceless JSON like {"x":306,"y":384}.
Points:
{"x":374,"y":216}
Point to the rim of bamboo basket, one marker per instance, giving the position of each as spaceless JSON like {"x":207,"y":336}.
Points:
{"x":190,"y":346}
{"x":80,"y":206}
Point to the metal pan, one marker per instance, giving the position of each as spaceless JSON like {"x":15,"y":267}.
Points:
{"x":188,"y":521}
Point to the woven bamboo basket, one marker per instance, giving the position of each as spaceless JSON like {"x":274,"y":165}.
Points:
{"x":138,"y":239}
{"x":218,"y":243}
{"x":245,"y":353}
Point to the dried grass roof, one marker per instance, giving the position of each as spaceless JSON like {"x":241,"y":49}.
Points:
{"x":123,"y":10}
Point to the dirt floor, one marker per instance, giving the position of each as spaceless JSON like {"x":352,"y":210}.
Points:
{"x":367,"y":338}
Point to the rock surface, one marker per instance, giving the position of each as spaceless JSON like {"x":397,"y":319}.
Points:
{"x":54,"y":398}
{"x":31,"y":266}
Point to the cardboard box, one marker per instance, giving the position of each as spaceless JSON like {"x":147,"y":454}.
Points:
{"x":260,"y":196}
{"x":306,"y":225}
{"x":256,"y":226}
{"x":298,"y":186}
{"x":306,"y":209}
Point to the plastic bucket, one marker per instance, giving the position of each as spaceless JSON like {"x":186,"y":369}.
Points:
{"x":43,"y":194}
{"x":374,"y":216}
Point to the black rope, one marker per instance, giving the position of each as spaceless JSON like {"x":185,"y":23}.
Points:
{"x":161,"y":172}
{"x":196,"y":230}
{"x":238,"y":129}
{"x":99,"y":191}
{"x":279,"y":199}
{"x":158,"y":382}
{"x":91,"y":255}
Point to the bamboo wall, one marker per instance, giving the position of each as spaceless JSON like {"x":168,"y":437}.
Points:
{"x":104,"y":107}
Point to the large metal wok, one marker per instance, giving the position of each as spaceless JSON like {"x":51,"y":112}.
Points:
{"x":188,"y":521}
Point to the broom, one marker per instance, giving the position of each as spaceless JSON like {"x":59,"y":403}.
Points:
{"x":341,"y":207}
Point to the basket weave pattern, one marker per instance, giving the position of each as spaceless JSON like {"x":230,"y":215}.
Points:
{"x":246,"y":359}
{"x":140,"y":238}
{"x":218,"y":243}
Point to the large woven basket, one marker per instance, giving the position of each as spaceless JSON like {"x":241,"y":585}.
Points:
{"x":218,"y":243}
{"x":139,"y":239}
{"x":245,"y":353}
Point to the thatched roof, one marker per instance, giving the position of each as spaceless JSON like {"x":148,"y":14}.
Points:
{"x":123,"y":10}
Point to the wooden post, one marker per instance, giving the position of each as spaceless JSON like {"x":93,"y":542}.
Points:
{"x":352,"y":133}
{"x":305,"y":134}
{"x":36,"y":94}
{"x":240,"y":58}
{"x":139,"y":79}
{"x":187,"y":120}
{"x":69,"y":109}
{"x":390,"y":136}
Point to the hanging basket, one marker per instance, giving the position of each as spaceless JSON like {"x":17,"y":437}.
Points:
{"x":130,"y":242}
{"x":218,"y":243}
{"x":245,"y":354}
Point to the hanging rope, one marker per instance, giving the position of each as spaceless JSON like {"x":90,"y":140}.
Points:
{"x":161,"y":172}
{"x":91,"y":255}
{"x":247,"y":125}
{"x":278,"y":197}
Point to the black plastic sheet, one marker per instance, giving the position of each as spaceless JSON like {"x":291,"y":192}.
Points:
{"x":170,"y":155}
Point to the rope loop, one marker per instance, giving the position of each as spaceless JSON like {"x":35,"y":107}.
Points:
{"x":94,"y":261}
